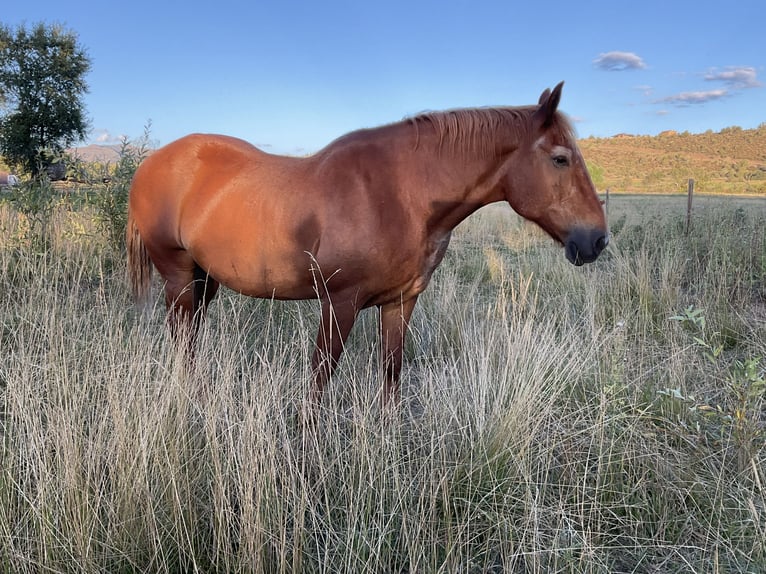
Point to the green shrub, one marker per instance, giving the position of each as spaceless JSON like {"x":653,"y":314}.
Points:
{"x":111,"y":200}
{"x":35,"y":201}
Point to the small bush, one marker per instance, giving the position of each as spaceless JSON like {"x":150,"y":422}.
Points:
{"x":34,"y":201}
{"x":111,"y":200}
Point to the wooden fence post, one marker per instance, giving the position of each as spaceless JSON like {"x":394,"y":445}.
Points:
{"x":689,"y":206}
{"x":606,"y":204}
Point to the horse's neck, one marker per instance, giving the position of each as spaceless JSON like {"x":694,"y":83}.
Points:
{"x":457,"y":182}
{"x":441,"y":178}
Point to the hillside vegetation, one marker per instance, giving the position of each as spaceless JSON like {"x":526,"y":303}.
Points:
{"x":730,"y":161}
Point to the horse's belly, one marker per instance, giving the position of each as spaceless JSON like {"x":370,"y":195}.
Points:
{"x":255,"y":249}
{"x":278,"y":276}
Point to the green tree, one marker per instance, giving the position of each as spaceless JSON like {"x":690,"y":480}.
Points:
{"x":42,"y":83}
{"x":596,"y":174}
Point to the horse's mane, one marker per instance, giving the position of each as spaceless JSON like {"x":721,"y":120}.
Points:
{"x":469,"y":132}
{"x":468,"y":128}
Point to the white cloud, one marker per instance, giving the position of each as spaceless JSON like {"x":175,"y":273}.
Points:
{"x":105,"y":137}
{"x":736,"y":77}
{"x":619,"y":61}
{"x":702,"y":97}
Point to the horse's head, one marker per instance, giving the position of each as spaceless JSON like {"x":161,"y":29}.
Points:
{"x":548,"y":183}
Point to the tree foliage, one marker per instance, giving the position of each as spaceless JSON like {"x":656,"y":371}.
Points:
{"x":42,"y":84}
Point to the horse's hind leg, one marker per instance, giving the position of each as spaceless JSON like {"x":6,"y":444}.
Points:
{"x":205,"y":288}
{"x":188,"y":291}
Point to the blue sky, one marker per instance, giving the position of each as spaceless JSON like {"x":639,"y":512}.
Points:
{"x":290,"y":76}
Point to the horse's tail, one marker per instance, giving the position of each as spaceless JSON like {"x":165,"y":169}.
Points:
{"x":139,"y":264}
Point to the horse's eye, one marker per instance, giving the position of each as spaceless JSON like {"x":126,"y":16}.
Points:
{"x":560,"y":160}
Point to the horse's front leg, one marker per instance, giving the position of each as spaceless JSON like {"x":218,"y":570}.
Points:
{"x":337,"y":319}
{"x":394,"y":319}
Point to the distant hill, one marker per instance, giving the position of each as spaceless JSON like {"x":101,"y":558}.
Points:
{"x":730,"y":161}
{"x":97,"y":153}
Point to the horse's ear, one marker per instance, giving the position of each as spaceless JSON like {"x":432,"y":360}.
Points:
{"x":549,"y":102}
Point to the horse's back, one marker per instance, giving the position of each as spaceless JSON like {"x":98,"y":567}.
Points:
{"x":192,"y":159}
{"x":190,"y":170}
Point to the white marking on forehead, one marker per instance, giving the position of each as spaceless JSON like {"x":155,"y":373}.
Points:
{"x":561,"y":150}
{"x":558,"y":149}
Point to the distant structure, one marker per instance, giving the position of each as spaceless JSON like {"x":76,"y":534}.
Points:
{"x":8,"y":179}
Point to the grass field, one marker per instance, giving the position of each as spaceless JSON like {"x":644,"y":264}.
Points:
{"x":608,"y":418}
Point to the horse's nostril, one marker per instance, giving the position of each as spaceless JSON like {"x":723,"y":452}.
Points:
{"x":585,"y":245}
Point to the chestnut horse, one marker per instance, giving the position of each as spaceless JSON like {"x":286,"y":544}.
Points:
{"x":363,"y":222}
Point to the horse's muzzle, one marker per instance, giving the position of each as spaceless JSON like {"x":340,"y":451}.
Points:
{"x":585,"y":245}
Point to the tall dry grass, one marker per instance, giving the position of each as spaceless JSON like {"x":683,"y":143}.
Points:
{"x":555,"y":419}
